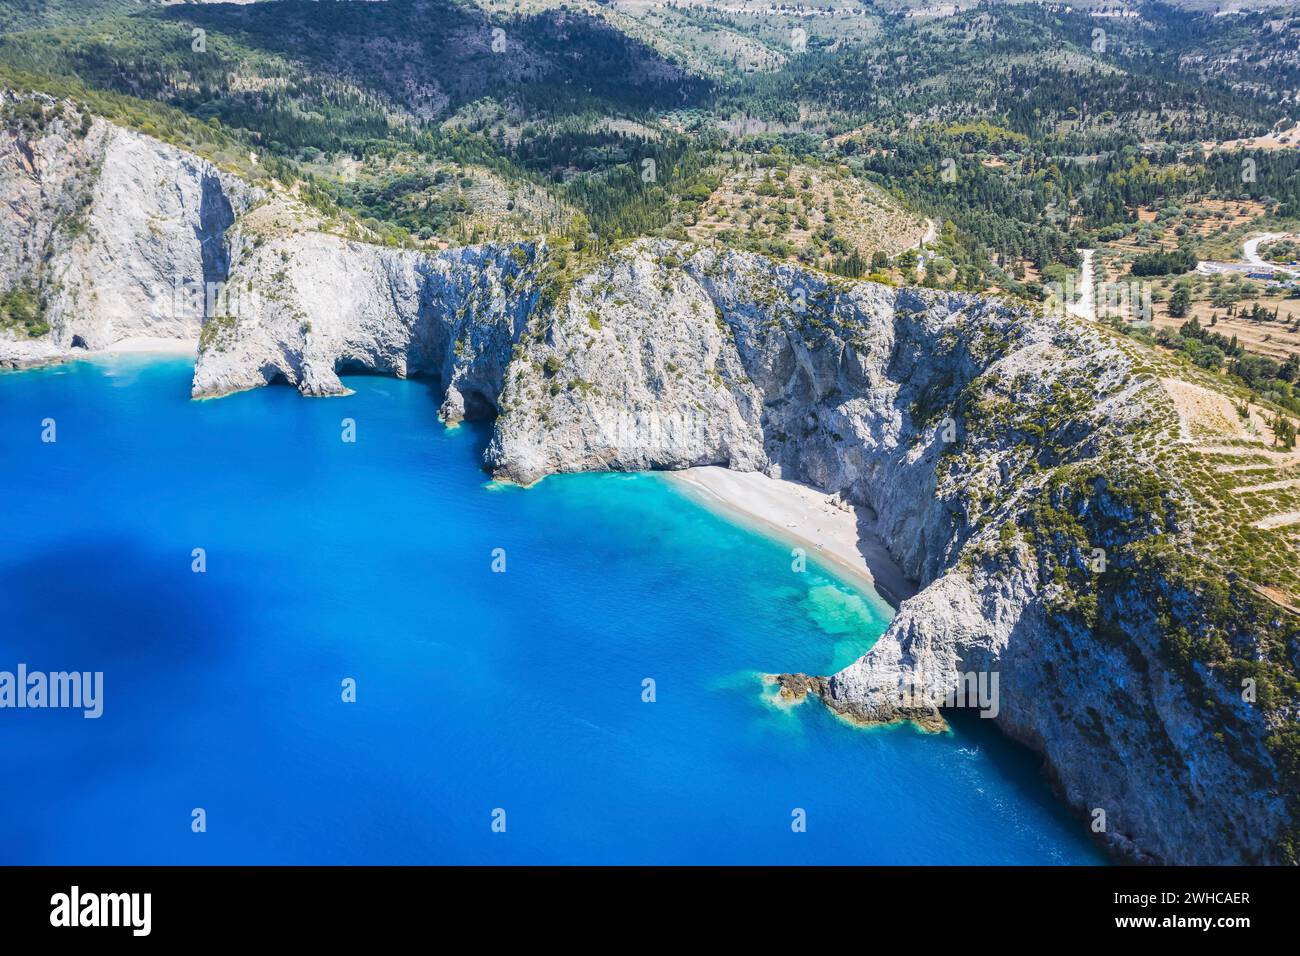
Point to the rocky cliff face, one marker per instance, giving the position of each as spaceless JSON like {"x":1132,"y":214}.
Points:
{"x":112,"y":233}
{"x":961,"y":426}
{"x":1014,"y":464}
{"x":965,"y":429}
{"x":306,"y":304}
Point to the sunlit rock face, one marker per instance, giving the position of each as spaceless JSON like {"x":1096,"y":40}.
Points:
{"x":121,"y":234}
{"x":984,"y":443}
{"x":663,"y":356}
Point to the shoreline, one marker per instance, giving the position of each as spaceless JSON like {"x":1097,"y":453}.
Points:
{"x":790,"y":511}
{"x":22,"y":356}
{"x":147,"y":345}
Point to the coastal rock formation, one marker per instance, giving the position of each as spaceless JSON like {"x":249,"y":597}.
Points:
{"x":996,"y":448}
{"x":307,"y":304}
{"x":1022,"y":468}
{"x":968,"y":428}
{"x":108,"y":233}
{"x":1001,"y":454}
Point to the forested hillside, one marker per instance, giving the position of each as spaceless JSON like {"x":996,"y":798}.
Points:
{"x":16,"y":15}
{"x":1007,"y":136}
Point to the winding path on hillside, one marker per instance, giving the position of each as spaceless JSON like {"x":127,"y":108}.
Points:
{"x":1250,"y":258}
{"x":1085,"y":306}
{"x":1250,"y":249}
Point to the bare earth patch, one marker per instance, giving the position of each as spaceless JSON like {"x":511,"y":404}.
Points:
{"x":1278,"y":521}
{"x":1207,"y":414}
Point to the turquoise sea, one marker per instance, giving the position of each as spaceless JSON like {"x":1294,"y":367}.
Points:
{"x":512,"y":697}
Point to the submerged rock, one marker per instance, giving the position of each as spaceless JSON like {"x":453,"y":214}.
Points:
{"x":797,"y":687}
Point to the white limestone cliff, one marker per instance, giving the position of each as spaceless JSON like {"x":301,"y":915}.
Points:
{"x":954,"y":423}
{"x":116,"y":233}
{"x":665,"y":356}
{"x":306,"y":304}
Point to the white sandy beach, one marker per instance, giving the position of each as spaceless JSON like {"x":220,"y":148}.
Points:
{"x":152,"y":346}
{"x":804,"y":516}
{"x":35,"y":353}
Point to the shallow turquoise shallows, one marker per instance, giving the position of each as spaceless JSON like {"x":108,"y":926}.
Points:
{"x":513,"y":697}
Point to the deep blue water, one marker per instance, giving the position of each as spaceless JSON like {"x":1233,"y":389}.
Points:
{"x":475,"y":690}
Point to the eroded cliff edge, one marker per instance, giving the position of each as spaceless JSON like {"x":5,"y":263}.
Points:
{"x":1015,"y":464}
{"x":1026,"y":470}
{"x":107,"y":234}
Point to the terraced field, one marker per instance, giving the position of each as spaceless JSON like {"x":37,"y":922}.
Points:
{"x":1244,"y":488}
